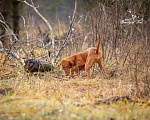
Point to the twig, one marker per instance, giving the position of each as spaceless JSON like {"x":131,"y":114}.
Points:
{"x":78,"y":21}
{"x":46,"y":51}
{"x":2,"y":50}
{"x":70,"y":30}
{"x":10,"y":38}
{"x":1,"y":45}
{"x":14,"y":55}
{"x":9,"y":29}
{"x":24,"y":23}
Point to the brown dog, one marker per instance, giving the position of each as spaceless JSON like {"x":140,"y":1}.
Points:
{"x":83,"y":61}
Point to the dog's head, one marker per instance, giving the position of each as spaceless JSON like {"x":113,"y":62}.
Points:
{"x":66,"y":65}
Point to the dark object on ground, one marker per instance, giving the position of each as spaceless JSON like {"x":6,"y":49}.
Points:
{"x":34,"y":65}
{"x":114,"y":99}
{"x":5,"y":91}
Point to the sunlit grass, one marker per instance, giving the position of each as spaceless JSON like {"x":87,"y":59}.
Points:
{"x":51,"y":95}
{"x":44,"y":96}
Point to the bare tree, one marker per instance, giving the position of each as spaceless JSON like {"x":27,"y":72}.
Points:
{"x":71,"y":27}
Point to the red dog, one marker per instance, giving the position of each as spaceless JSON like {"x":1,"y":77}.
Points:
{"x":83,"y":61}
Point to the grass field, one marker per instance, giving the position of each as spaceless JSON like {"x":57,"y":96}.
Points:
{"x":51,"y":96}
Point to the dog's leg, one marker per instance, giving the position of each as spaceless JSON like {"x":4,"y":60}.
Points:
{"x":76,"y":68}
{"x":100,"y":63}
{"x":89,"y":63}
{"x":72,"y":72}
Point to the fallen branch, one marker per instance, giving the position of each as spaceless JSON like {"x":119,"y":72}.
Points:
{"x":14,"y":55}
{"x":114,"y":99}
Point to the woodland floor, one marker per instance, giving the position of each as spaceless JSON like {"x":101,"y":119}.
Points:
{"x":53,"y":96}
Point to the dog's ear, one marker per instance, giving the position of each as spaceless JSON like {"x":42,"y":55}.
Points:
{"x":71,"y":64}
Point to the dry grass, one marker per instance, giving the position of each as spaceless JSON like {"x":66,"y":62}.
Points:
{"x":50,"y":96}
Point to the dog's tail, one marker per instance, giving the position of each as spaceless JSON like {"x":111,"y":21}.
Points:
{"x":97,"y":49}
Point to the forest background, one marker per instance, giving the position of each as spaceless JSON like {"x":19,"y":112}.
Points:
{"x":124,"y":26}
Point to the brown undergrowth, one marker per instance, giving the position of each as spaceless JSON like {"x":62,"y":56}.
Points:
{"x":52,"y":96}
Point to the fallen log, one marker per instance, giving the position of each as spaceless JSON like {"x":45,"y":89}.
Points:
{"x":34,"y":65}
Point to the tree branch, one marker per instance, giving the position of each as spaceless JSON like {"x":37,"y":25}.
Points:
{"x":11,"y":42}
{"x":24,"y":23}
{"x":47,"y":23}
{"x":69,"y":31}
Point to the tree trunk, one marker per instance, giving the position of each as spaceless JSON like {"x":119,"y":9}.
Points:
{"x":4,"y":40}
{"x":15,"y":4}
